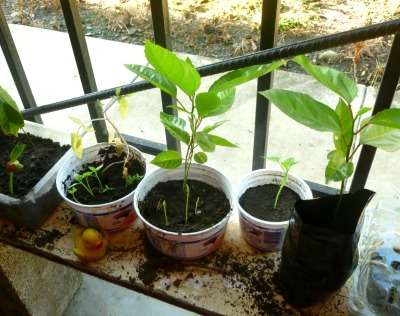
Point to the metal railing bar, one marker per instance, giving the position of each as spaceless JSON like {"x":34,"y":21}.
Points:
{"x":83,"y":62}
{"x":15,"y":65}
{"x":266,"y":56}
{"x":162,"y":37}
{"x":268,"y":39}
{"x":383,"y":101}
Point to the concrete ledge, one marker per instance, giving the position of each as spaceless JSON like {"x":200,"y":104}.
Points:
{"x":30,"y":285}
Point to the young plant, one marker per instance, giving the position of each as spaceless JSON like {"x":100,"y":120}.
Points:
{"x":170,"y":73}
{"x":285,"y":165}
{"x":381,"y":130}
{"x":13,"y":165}
{"x":114,"y":134}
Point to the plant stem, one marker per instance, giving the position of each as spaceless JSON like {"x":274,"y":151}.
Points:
{"x":338,"y":204}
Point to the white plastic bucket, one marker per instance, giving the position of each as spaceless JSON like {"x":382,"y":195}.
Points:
{"x":111,"y":216}
{"x":185,"y":245}
{"x":261,"y":234}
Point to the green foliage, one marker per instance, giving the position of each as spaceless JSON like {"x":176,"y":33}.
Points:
{"x":170,"y":73}
{"x":14,"y":165}
{"x":11,"y":120}
{"x":285,"y":165}
{"x":381,"y":130}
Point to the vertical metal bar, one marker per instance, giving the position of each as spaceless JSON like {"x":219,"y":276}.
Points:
{"x":17,"y":70}
{"x":162,"y":37}
{"x":82,"y":59}
{"x":383,"y":101}
{"x":269,"y":31}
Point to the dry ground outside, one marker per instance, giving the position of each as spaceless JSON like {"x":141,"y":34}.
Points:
{"x":222,"y":29}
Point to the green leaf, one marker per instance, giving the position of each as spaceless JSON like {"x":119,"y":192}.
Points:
{"x":16,"y":152}
{"x":288,"y":163}
{"x":334,"y":80}
{"x":214,"y":103}
{"x":169,"y":159}
{"x":175,"y":126}
{"x":305,"y":110}
{"x":205,"y":141}
{"x":154,"y":77}
{"x":76,"y":144}
{"x":382,"y":137}
{"x":362,"y":111}
{"x":219,"y":141}
{"x":338,"y":169}
{"x":180,"y":72}
{"x":11,"y":119}
{"x":75,"y":120}
{"x":123,"y":106}
{"x":200,"y":158}
{"x":243,"y":75}
{"x":388,"y":118}
{"x":208,"y":129}
{"x":344,"y":138}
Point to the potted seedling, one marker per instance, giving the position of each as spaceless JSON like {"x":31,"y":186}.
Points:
{"x":171,"y":216}
{"x":29,"y":160}
{"x":98,"y":182}
{"x":320,"y":249}
{"x":265,"y":199}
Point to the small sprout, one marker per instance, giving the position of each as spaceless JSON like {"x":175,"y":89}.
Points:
{"x":131,"y":179}
{"x":165,"y":212}
{"x":13,"y":165}
{"x":197,"y":205}
{"x":79,"y":181}
{"x":72,"y":191}
{"x":106,"y":189}
{"x":95,"y":173}
{"x":285,"y":165}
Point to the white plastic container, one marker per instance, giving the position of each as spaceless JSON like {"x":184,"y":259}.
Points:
{"x":111,"y":216}
{"x":185,"y":245}
{"x":261,"y":234}
{"x":32,"y":209}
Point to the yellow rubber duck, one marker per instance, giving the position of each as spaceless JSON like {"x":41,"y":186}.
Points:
{"x":90,"y":244}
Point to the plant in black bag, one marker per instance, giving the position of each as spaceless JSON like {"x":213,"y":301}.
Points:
{"x":320,"y":249}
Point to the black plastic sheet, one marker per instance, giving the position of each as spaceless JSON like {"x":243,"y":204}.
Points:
{"x":317,"y":256}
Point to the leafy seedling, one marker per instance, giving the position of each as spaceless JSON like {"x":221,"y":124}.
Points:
{"x":13,"y":165}
{"x":285,"y":165}
{"x":170,"y":73}
{"x":381,"y":130}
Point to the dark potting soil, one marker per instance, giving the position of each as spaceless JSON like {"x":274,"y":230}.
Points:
{"x":212,"y":206}
{"x":111,"y":178}
{"x":38,"y":157}
{"x":259,"y":202}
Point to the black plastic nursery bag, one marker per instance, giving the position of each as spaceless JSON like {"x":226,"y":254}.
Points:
{"x":317,"y":259}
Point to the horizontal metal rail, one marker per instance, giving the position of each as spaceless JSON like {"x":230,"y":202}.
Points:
{"x":262,"y":57}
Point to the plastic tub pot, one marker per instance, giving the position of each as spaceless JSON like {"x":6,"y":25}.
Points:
{"x":112,"y":216}
{"x":261,"y":234}
{"x":185,"y":245}
{"x":32,"y":209}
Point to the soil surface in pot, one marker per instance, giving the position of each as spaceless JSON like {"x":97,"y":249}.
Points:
{"x":259,"y":202}
{"x":113,"y":185}
{"x":212,"y":206}
{"x":38,"y":157}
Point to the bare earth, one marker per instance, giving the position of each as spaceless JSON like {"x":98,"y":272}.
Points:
{"x":221,"y":29}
